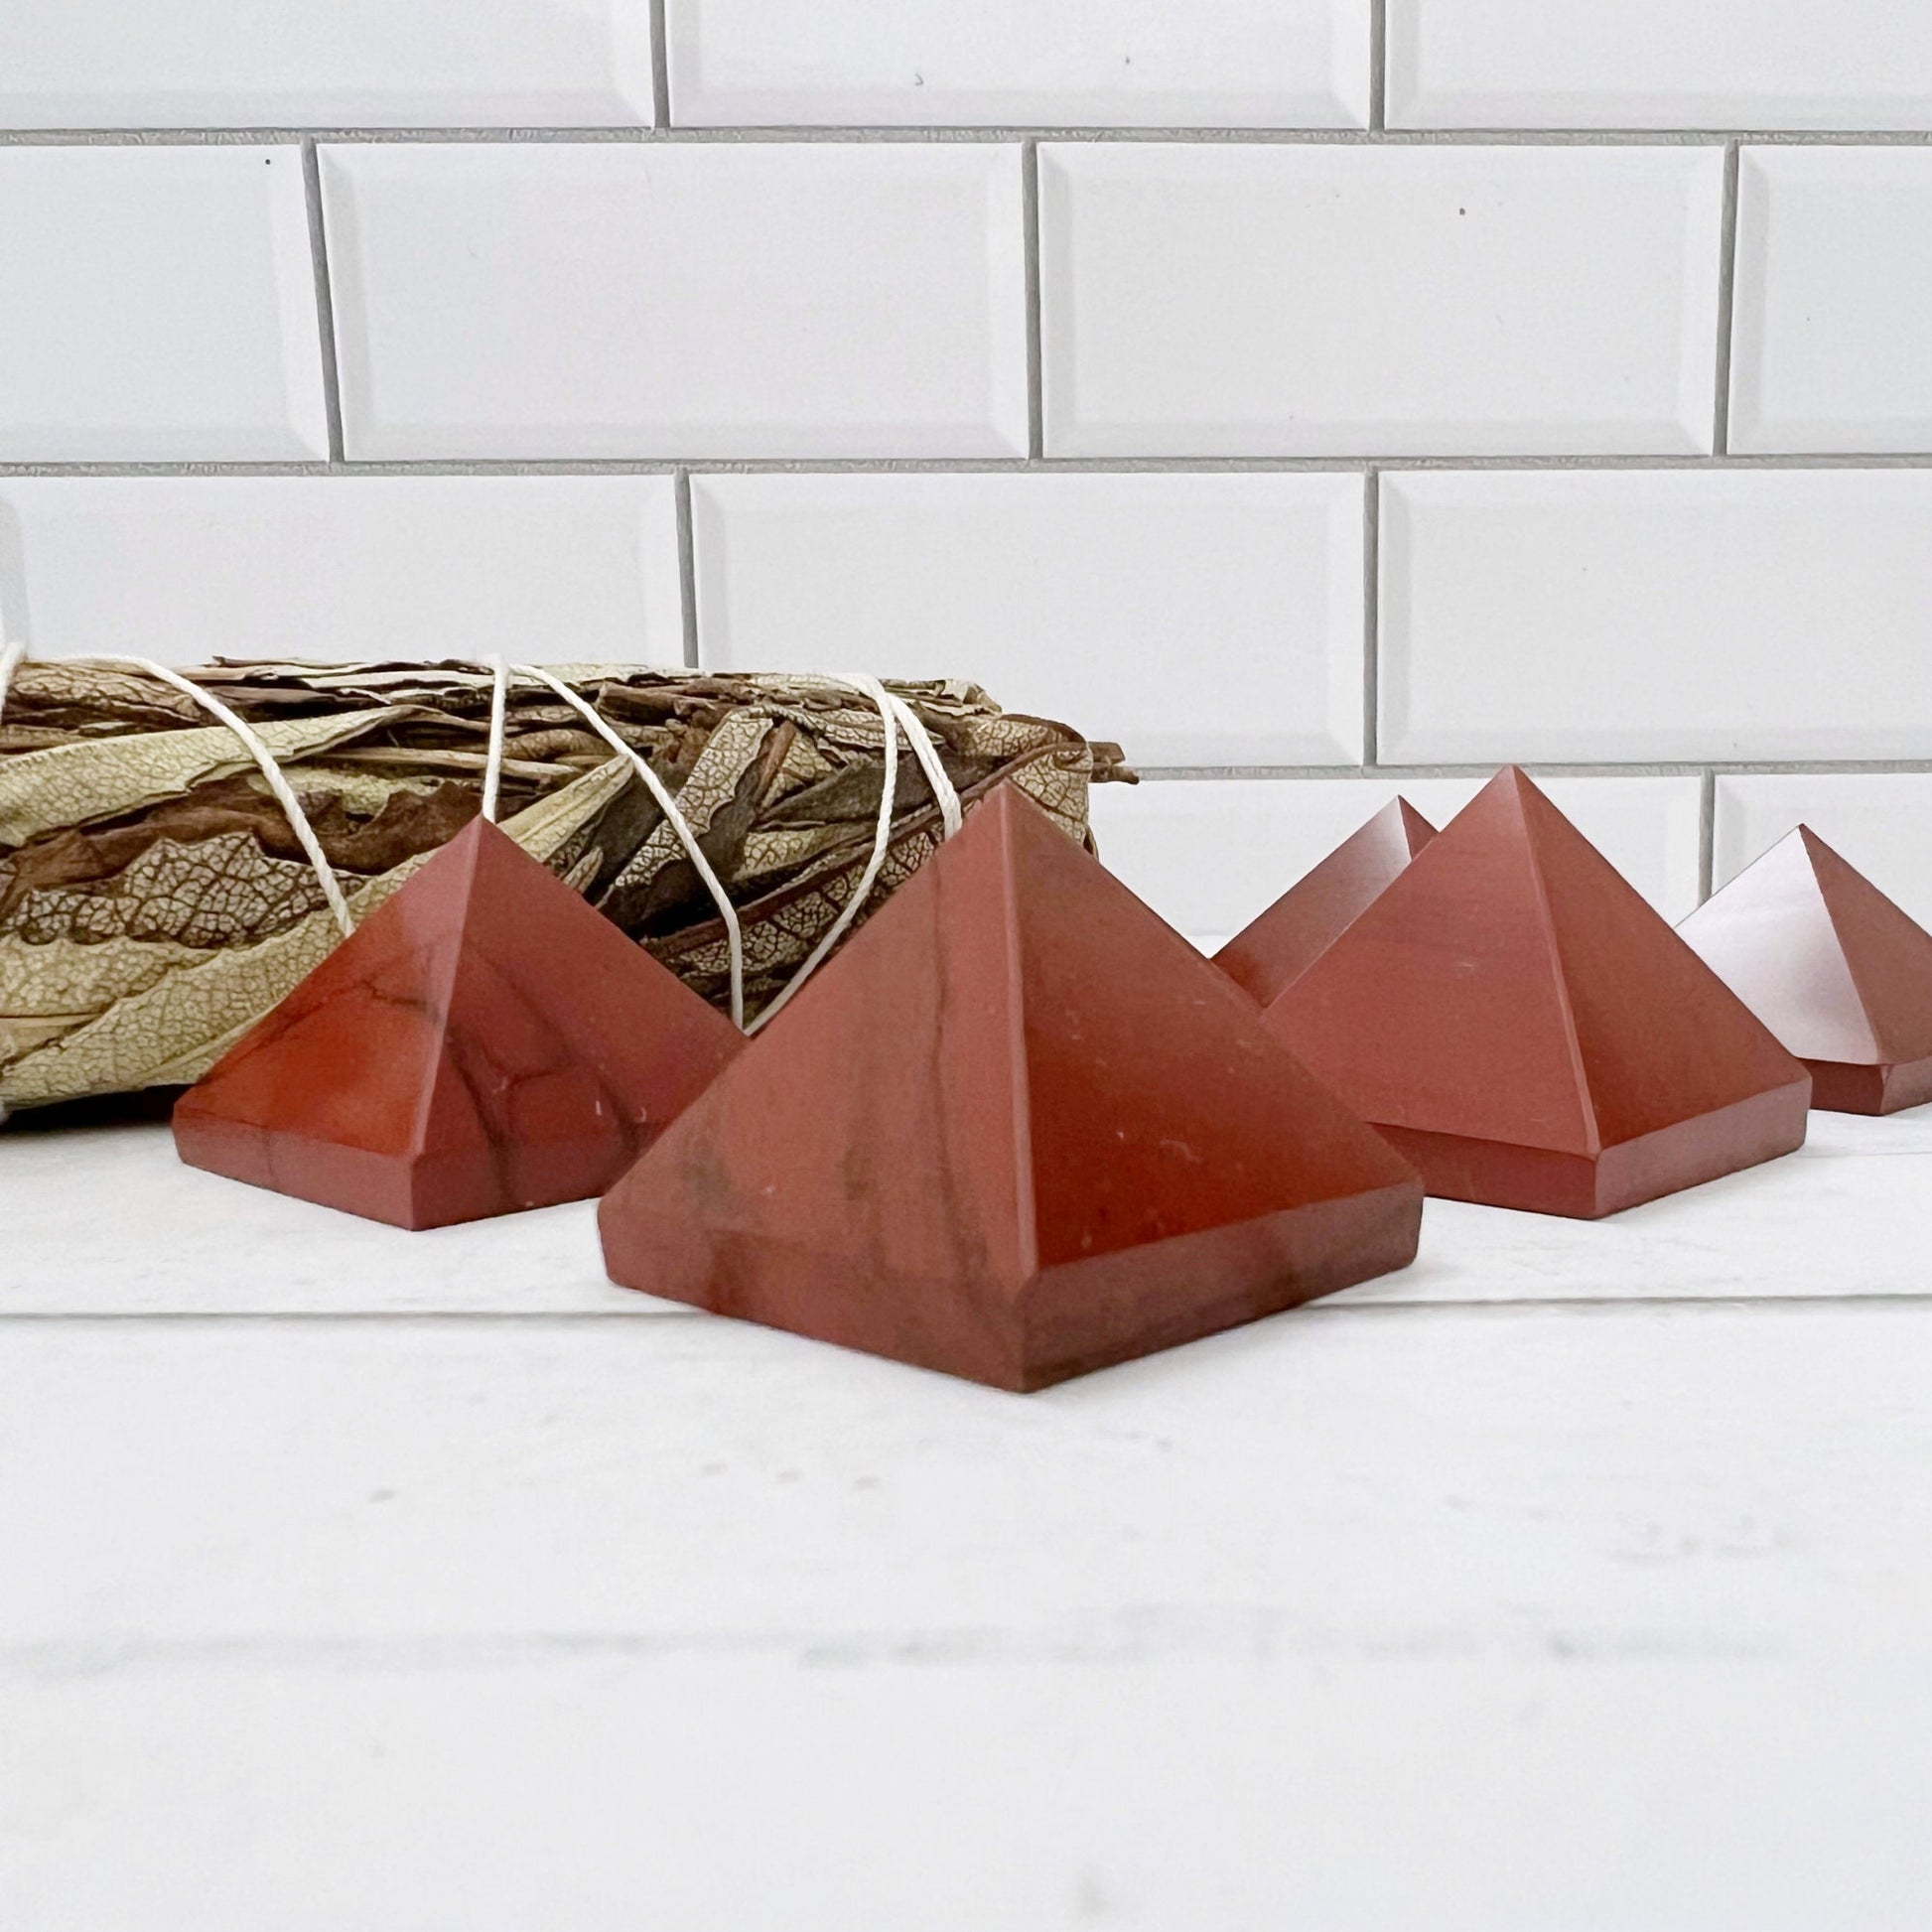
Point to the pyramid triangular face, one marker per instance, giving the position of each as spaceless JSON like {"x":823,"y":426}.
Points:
{"x":1768,"y":935}
{"x":1833,"y":967}
{"x":1661,"y":1038}
{"x":1275,"y":949}
{"x":1018,"y":1129}
{"x":1889,"y":951}
{"x":485,"y":1041}
{"x":1520,"y":1023}
{"x":1447,"y":1002}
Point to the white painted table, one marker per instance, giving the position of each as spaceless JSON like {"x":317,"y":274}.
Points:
{"x":357,"y":1581}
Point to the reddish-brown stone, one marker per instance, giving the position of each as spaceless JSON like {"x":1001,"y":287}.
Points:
{"x":1522,"y":1026}
{"x":1276,"y":949}
{"x":1019,"y":1129}
{"x":485,"y":1041}
{"x":1840,"y":973}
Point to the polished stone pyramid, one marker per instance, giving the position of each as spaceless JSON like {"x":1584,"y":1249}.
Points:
{"x":485,"y":1041}
{"x":1837,"y":971}
{"x":1268,"y":955}
{"x":1527,"y":1031}
{"x":1017,"y":1130}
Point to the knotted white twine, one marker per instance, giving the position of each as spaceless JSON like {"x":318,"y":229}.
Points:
{"x":10,"y":657}
{"x":894,"y":714}
{"x":679,"y":824}
{"x":493,"y":759}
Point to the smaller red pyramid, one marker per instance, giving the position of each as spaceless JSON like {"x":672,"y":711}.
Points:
{"x":1838,"y":972}
{"x":483,"y":1042}
{"x":1268,"y":955}
{"x":1518,"y":1022}
{"x":1017,"y":1130}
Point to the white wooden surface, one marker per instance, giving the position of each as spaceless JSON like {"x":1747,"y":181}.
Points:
{"x":1581,"y":1577}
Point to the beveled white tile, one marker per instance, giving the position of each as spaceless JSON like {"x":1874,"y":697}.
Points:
{"x":710,"y":300}
{"x":1619,"y":615}
{"x":1020,"y":62}
{"x":1879,"y":822}
{"x":1270,"y":300}
{"x":1210,"y":854}
{"x":1834,"y":300}
{"x":157,"y":303}
{"x":1690,"y":64}
{"x":1192,"y":619}
{"x":184,"y":568}
{"x":91,"y":64}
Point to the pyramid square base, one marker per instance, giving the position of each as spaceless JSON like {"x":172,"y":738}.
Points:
{"x":1538,"y":1180}
{"x":1844,"y":1087}
{"x":1064,"y":1322}
{"x":1088,"y":1315}
{"x":424,"y":1191}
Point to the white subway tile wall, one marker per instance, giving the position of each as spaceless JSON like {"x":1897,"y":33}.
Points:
{"x":1202,"y":619}
{"x":1606,"y":615}
{"x":1318,"y":412}
{"x":573,"y":569}
{"x":843,"y":299}
{"x":1834,"y":302}
{"x":156,"y":304}
{"x":1660,"y":63}
{"x":1020,"y":62}
{"x":1216,"y":300}
{"x":139,"y":63}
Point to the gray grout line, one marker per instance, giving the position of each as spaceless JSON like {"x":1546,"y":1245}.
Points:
{"x":1030,"y":222}
{"x":1726,"y":302}
{"x":1378,"y":65}
{"x":1371,"y":616}
{"x":331,"y":390}
{"x":1549,"y":768}
{"x":660,"y":68}
{"x":687,"y":569}
{"x":1152,"y":466}
{"x":1707,"y":833}
{"x":1531,"y":137}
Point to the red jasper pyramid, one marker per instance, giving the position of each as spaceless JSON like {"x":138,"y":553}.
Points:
{"x":1276,"y":949}
{"x":1017,"y":1130}
{"x":1520,"y":1023}
{"x":485,"y":1041}
{"x":1838,"y":972}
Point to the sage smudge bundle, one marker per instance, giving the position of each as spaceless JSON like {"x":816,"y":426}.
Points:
{"x":155,"y":901}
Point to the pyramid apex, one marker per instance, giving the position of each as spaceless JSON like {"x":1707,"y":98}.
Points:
{"x":475,"y":833}
{"x":1007,"y":804}
{"x":1812,"y":843}
{"x":1509,"y":786}
{"x":1269,"y":953}
{"x":1417,"y":829}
